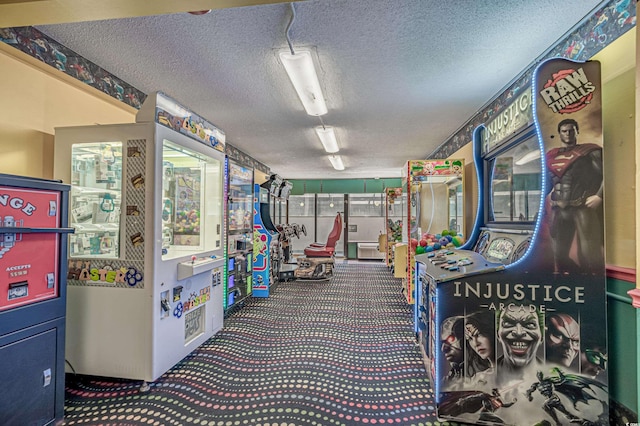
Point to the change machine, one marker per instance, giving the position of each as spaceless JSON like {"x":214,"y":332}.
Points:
{"x":33,"y":256}
{"x":146,"y":259}
{"x":515,"y":320}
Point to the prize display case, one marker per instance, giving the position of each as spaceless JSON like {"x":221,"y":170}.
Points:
{"x":146,"y":260}
{"x":239,"y":234}
{"x":33,"y":261}
{"x":426,"y":218}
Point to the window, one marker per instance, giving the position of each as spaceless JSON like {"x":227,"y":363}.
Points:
{"x":366,"y":205}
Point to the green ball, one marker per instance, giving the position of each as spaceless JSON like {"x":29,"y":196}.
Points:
{"x":419,"y":250}
{"x":445,"y":232}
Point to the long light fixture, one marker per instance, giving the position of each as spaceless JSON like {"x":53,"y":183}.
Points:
{"x":327,"y":136}
{"x":528,"y":157}
{"x":336,"y":162}
{"x":302,"y":73}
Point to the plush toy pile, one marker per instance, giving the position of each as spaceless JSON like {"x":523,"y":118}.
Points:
{"x":431,"y":242}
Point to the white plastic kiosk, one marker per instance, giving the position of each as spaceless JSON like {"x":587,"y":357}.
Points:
{"x":146,"y":260}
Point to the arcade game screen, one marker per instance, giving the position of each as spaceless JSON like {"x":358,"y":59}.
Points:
{"x":500,"y":249}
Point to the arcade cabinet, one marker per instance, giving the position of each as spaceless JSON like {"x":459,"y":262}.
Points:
{"x":33,"y":261}
{"x":515,"y":320}
{"x":238,"y":271}
{"x":146,"y":259}
{"x":267,"y":251}
{"x":393,"y":222}
{"x":319,"y":259}
{"x":287,"y":232}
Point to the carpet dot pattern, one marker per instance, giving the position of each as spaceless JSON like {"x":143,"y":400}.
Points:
{"x":336,"y":353}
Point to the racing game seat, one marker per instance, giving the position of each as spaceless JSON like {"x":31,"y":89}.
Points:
{"x":326,"y":250}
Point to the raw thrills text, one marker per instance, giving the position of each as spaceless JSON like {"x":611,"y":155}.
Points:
{"x":568,"y":90}
{"x":535,"y":293}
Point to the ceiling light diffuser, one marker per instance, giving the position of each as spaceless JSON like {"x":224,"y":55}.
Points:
{"x":302,"y":74}
{"x":327,"y":136}
{"x":336,"y":162}
{"x":528,"y":157}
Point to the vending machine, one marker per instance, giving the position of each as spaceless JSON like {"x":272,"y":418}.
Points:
{"x":146,"y":260}
{"x":239,"y":279}
{"x":33,"y":265}
{"x":516,"y":318}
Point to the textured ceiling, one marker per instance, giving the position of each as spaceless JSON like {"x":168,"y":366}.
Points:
{"x":399,"y":76}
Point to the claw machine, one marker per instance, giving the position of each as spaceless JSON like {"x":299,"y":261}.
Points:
{"x":33,"y":244}
{"x":426,"y":220}
{"x":146,"y":260}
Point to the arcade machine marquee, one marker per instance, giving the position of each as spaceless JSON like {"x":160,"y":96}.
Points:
{"x":516,"y":318}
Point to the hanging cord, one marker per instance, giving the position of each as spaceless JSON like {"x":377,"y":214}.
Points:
{"x":321,"y":122}
{"x":293,"y":18}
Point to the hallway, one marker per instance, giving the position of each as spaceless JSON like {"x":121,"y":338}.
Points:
{"x":338,"y":352}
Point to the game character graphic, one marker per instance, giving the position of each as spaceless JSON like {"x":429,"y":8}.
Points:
{"x":452,"y":339}
{"x":480,"y":336}
{"x":622,"y":14}
{"x":576,"y":178}
{"x":577,"y":389}
{"x":456,"y":167}
{"x":562,"y":340}
{"x":484,"y":404}
{"x":82,"y":73}
{"x":7,"y":35}
{"x":593,"y":355}
{"x":259,"y":243}
{"x":40,"y":49}
{"x":520,"y":335}
{"x":429,"y":168}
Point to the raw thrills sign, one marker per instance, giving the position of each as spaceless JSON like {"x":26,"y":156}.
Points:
{"x":568,"y":91}
{"x":514,"y":117}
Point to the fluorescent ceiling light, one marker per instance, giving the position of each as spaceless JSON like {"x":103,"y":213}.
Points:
{"x":302,"y":74}
{"x":528,"y":157}
{"x":328,"y":138}
{"x":336,"y":162}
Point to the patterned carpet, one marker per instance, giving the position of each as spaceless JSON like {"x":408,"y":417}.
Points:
{"x":338,"y":352}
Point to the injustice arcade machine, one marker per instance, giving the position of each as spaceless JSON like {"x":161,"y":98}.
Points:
{"x":513,"y":324}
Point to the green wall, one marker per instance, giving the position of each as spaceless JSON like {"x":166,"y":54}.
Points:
{"x":622,"y":333}
{"x":343,"y":186}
